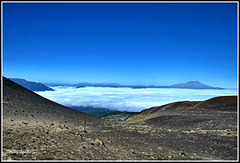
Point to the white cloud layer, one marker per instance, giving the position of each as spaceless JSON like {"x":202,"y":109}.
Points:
{"x":128,"y":99}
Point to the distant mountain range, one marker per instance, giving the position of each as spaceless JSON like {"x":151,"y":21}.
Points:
{"x":85,"y":84}
{"x":33,"y":86}
{"x":188,"y":85}
{"x":57,"y":84}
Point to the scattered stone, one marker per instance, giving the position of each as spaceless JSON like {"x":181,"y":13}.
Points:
{"x":99,"y":142}
{"x":183,"y":154}
{"x":81,"y":146}
{"x":8,"y":133}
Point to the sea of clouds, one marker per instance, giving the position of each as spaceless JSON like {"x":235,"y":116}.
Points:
{"x":128,"y":99}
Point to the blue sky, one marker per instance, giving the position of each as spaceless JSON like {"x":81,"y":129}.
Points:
{"x":132,"y":43}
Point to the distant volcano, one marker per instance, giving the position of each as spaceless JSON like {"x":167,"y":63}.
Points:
{"x":193,"y":85}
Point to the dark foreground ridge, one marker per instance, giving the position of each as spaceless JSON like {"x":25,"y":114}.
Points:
{"x":35,"y":128}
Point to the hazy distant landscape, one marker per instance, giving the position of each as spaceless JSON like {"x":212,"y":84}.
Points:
{"x":102,"y":98}
{"x":117,"y":102}
{"x":128,"y":99}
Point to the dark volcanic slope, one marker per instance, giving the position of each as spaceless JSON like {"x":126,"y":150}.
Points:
{"x":220,"y":111}
{"x":20,"y":101}
{"x":35,"y":128}
{"x":47,"y":129}
{"x":214,"y":119}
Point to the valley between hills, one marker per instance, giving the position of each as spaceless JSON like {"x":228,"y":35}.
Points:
{"x":35,"y":128}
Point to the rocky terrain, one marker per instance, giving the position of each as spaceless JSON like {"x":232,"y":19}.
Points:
{"x":35,"y":128}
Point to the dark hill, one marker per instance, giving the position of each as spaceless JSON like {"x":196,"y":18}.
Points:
{"x":23,"y":100}
{"x":222,"y":103}
{"x":33,"y":86}
{"x":47,"y":129}
{"x":190,"y":114}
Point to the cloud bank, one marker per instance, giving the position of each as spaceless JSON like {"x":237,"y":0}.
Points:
{"x":127,"y":99}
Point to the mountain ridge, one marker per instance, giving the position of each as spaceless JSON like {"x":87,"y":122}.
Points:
{"x":187,"y":85}
{"x":215,"y":104}
{"x":33,"y":86}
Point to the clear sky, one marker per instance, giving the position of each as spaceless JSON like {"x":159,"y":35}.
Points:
{"x":131,"y":43}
